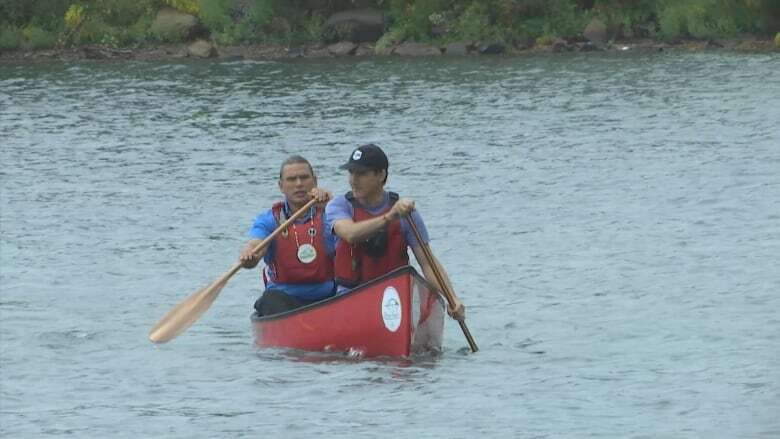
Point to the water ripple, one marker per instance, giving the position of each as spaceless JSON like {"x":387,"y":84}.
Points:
{"x":610,"y":221}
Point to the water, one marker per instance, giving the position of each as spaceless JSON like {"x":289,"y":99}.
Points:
{"x":611,"y":222}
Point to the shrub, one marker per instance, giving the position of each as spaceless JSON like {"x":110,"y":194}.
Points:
{"x":74,"y":17}
{"x":109,"y":22}
{"x":707,"y":18}
{"x":473,"y":24}
{"x":415,"y":17}
{"x":92,"y":31}
{"x":563,"y":19}
{"x":525,"y":31}
{"x":44,"y":13}
{"x":122,"y":12}
{"x":215,"y":14}
{"x":10,"y":37}
{"x":672,"y":21}
{"x":188,"y":6}
{"x":393,"y":36}
{"x":261,"y":13}
{"x":545,"y":41}
{"x":314,"y":27}
{"x":523,"y":21}
{"x":140,"y":31}
{"x":628,"y":19}
{"x":768,"y":12}
{"x":38,"y":38}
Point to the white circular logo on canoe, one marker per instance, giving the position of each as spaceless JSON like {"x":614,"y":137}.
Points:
{"x":391,"y":309}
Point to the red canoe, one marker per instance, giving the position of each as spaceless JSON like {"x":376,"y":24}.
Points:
{"x":395,"y":315}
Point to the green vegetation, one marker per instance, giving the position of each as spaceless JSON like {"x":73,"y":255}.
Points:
{"x":10,"y":37}
{"x":35,"y":24}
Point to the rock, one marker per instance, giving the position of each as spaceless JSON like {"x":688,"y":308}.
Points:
{"x":296,"y":52}
{"x":438,"y":31}
{"x":317,"y":51}
{"x":232,"y":58}
{"x":457,"y":49}
{"x":99,"y":52}
{"x":94,"y":53}
{"x":364,"y":49}
{"x":553,"y":44}
{"x":174,"y":25}
{"x":492,"y":49}
{"x":561,"y":45}
{"x":230,"y":54}
{"x":596,"y":32}
{"x":384,"y":50}
{"x":343,"y":48}
{"x":416,"y":49}
{"x":358,"y":25}
{"x":588,"y":47}
{"x":202,"y":49}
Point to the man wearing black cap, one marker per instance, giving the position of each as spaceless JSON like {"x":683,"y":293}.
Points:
{"x":371,"y":241}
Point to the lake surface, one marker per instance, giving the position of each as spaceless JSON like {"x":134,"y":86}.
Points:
{"x":611,"y":221}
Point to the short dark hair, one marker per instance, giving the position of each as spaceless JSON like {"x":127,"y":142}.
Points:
{"x":294,"y":159}
{"x":384,"y":181}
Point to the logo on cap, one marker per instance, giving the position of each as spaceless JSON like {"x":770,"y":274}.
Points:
{"x":357,"y":154}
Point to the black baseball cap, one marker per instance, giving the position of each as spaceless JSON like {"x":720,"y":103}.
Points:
{"x":366,"y":157}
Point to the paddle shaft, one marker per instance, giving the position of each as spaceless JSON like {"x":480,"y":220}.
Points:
{"x":268,"y":239}
{"x":446,"y":292}
{"x":181,"y":316}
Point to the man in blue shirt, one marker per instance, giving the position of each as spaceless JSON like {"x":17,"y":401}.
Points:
{"x":299,"y":262}
{"x":372,"y":229}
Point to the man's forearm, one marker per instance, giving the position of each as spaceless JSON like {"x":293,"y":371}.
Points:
{"x":354,"y":232}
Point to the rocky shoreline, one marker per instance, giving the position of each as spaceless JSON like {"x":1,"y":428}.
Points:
{"x":363,"y":33}
{"x":367,"y":36}
{"x":203,"y":49}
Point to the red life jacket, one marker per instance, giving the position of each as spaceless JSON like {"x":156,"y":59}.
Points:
{"x":378,"y":255}
{"x":286,"y":266}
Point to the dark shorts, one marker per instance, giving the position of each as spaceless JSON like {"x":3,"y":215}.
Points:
{"x":277,"y":301}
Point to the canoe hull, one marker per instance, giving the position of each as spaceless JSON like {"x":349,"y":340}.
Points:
{"x":396,"y":315}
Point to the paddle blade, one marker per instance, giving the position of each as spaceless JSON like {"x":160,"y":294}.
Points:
{"x":183,"y":315}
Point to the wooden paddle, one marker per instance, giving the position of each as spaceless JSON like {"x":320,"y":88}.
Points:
{"x":446,"y":292}
{"x":183,"y":315}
